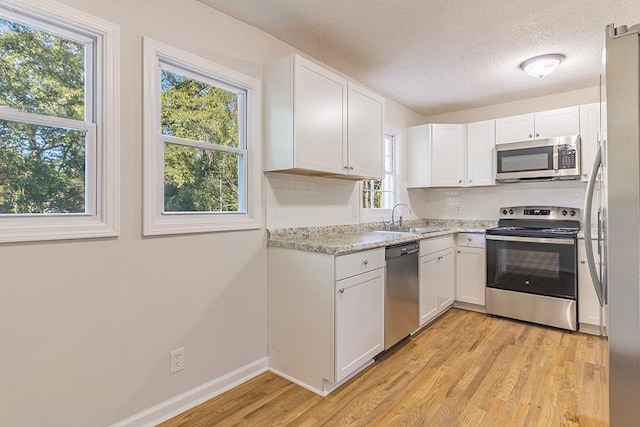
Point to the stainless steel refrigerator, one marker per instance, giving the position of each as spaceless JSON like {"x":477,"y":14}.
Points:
{"x":618,"y":201}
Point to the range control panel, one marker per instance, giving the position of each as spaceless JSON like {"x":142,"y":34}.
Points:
{"x":539,"y":212}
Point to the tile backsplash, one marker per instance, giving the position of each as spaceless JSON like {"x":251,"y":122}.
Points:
{"x":301,"y":201}
{"x":484,"y":202}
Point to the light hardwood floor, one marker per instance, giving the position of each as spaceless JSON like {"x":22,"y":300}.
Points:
{"x":466,"y":369}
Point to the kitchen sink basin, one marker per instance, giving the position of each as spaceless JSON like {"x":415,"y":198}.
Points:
{"x":412,"y":230}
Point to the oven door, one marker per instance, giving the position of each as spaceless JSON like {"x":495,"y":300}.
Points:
{"x":533,"y":265}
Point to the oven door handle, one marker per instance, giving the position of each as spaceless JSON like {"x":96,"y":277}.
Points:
{"x":531,"y":239}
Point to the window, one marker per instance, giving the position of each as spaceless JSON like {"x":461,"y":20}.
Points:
{"x":58,"y":123}
{"x":201,"y":149}
{"x":381,"y":193}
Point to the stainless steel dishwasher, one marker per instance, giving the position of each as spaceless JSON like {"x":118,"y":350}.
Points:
{"x":401,"y":292}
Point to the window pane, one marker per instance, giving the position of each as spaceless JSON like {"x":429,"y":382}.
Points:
{"x":197,"y":180}
{"x":195,"y":110}
{"x":42,"y":169}
{"x":40,"y":72}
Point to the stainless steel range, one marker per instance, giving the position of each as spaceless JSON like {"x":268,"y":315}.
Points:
{"x":532,"y":265}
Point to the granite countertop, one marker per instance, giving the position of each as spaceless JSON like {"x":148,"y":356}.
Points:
{"x":343,"y":239}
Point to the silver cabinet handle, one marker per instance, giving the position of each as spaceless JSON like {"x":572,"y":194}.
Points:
{"x":365,"y":262}
{"x":537,"y":135}
{"x":458,"y":251}
{"x":530,"y":135}
{"x":582,"y":262}
{"x":459,"y":181}
{"x":345,"y":167}
{"x":470,"y":180}
{"x":350,"y":168}
{"x":341,"y":291}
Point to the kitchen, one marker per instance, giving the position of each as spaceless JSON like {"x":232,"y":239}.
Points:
{"x":148,"y":296}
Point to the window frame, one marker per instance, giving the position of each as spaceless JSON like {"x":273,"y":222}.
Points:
{"x":155,"y":220}
{"x":377,"y":213}
{"x":101,"y":122}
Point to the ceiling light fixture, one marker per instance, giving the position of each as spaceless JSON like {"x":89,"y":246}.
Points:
{"x":542,"y":65}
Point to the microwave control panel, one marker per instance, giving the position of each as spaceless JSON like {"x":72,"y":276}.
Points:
{"x":567,"y":156}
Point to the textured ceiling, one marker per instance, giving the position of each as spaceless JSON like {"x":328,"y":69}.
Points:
{"x":436,"y":56}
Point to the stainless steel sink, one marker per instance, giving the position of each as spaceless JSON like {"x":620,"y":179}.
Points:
{"x":412,"y":230}
{"x":421,"y":230}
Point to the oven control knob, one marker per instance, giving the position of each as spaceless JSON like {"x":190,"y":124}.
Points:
{"x":572,"y":213}
{"x":504,"y":211}
{"x":510,"y":211}
{"x":564,"y":212}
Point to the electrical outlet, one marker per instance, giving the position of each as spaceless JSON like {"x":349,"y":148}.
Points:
{"x":177,"y":360}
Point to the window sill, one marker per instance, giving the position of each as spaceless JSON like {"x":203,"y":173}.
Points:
{"x":44,"y":229}
{"x":178,"y":224}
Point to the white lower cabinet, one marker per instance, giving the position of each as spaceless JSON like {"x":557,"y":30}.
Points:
{"x":471,"y":268}
{"x":589,"y":310}
{"x":359,"y":320}
{"x":325,"y":314}
{"x":436,"y":271}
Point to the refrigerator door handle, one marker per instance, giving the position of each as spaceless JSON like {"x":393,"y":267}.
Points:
{"x":588,"y":203}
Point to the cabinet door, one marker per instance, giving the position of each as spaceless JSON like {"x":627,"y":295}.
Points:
{"x":320,"y":116}
{"x":359,"y":322}
{"x":448,"y":160}
{"x":428,"y":275}
{"x":560,"y":122}
{"x":366,"y":133}
{"x":589,"y":134}
{"x":480,"y":153}
{"x":471,"y":275}
{"x":514,"y":129}
{"x":589,"y":310}
{"x":418,"y":156}
{"x":446,"y":279}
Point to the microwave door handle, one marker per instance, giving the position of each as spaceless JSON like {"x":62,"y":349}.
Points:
{"x":555,"y":158}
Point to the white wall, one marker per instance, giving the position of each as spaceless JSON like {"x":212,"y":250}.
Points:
{"x":524,"y":106}
{"x":86,"y":326}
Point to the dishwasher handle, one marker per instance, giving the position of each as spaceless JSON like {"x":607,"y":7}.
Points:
{"x":397,"y":251}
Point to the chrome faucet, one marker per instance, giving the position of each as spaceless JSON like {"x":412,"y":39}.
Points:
{"x":393,"y":217}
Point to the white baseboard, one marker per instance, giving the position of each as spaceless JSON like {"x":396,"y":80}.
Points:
{"x":470,"y":307}
{"x":197,"y":395}
{"x":298,"y":382}
{"x":587,"y":328}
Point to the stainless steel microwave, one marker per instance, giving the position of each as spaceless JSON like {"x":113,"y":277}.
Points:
{"x":539,"y":160}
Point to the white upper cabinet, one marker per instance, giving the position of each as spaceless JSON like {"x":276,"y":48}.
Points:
{"x":447,"y":154}
{"x":481,"y":153}
{"x":516,"y":128}
{"x":318,"y":123}
{"x":589,"y":136}
{"x":545,"y":124}
{"x":435,"y":155}
{"x":418,"y":156}
{"x":450,"y":155}
{"x":365,"y":127}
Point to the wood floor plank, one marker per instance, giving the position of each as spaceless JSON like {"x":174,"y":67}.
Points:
{"x":466,"y":369}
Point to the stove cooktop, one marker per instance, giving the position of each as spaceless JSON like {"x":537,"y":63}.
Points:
{"x":533,"y":232}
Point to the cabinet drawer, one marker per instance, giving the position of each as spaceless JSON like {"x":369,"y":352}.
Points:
{"x":435,"y":244}
{"x":359,"y":262}
{"x":471,"y":240}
